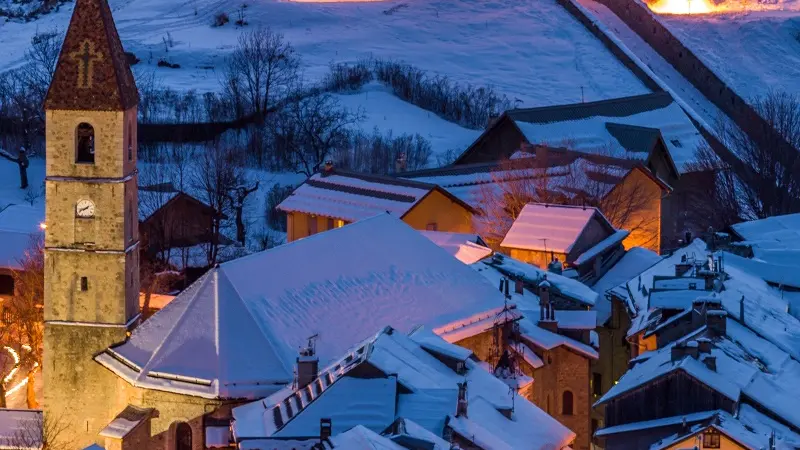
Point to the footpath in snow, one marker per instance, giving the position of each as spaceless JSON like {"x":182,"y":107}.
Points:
{"x":697,"y":105}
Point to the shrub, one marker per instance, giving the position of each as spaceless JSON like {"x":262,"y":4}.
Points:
{"x":220,"y":19}
{"x":346,"y":77}
{"x":379,"y":152}
{"x":163,"y":63}
{"x":276,"y":219}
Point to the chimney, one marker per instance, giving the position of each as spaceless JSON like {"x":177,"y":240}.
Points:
{"x":716,"y":320}
{"x":400,"y":163}
{"x":461,"y":408}
{"x":710,"y":362}
{"x":704,"y":345}
{"x":681,"y":268}
{"x":325,"y":428}
{"x":327,"y":169}
{"x":741,"y":310}
{"x":555,"y":266}
{"x":307,"y":365}
{"x":684,"y":349}
{"x":519,"y":286}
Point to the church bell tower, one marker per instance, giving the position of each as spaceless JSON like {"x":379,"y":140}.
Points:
{"x":91,"y":239}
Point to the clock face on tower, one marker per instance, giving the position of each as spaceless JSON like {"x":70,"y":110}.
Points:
{"x":84,"y":208}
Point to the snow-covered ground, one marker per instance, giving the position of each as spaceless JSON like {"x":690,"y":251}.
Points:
{"x":753,"y":52}
{"x":532,"y":51}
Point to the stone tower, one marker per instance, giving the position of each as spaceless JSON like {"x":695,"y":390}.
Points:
{"x":91,"y":240}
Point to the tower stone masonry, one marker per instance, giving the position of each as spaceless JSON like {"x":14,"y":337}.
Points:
{"x":91,"y":240}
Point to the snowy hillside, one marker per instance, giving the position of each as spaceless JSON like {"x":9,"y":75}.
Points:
{"x":532,"y":51}
{"x":752,"y":52}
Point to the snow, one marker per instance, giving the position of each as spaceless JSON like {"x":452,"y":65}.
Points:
{"x":470,"y":42}
{"x":362,"y":438}
{"x":777,"y":232}
{"x":171,"y":343}
{"x":433,"y":343}
{"x":548,"y":340}
{"x":576,"y":320}
{"x":383,"y":110}
{"x":218,"y":437}
{"x":16,"y":421}
{"x":591,"y":135}
{"x":528,"y":355}
{"x":674,"y":299}
{"x":657,"y":423}
{"x":616,"y":238}
{"x":428,"y":397}
{"x":694,"y":103}
{"x":630,"y":265}
{"x":543,"y":227}
{"x":340,"y":285}
{"x":467,"y":248}
{"x":753,"y":52}
{"x":565,"y":286}
{"x":413,"y":429}
{"x":349,"y":198}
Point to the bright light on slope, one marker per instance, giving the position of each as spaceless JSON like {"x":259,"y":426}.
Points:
{"x":681,"y":6}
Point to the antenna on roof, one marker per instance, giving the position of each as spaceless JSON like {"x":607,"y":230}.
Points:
{"x":545,"y":244}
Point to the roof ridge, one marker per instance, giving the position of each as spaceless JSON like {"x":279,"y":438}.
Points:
{"x":387,"y":179}
{"x":610,"y":101}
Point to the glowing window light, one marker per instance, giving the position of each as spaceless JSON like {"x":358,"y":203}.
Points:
{"x":43,"y":226}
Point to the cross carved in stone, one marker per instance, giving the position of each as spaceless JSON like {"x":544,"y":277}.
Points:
{"x":86,"y":58}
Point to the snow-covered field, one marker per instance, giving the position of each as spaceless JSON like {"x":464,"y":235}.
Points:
{"x":753,"y":52}
{"x":532,"y":51}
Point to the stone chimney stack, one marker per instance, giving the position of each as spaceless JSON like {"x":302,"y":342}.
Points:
{"x":547,"y":315}
{"x":461,"y":408}
{"x":683,"y":349}
{"x":710,"y":362}
{"x":327,"y":169}
{"x":555,"y":267}
{"x":519,"y":286}
{"x":325,"y":429}
{"x":307,"y":365}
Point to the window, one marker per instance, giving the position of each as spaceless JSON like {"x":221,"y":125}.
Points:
{"x":566,"y":403}
{"x":84,"y":151}
{"x":711,"y":438}
{"x":330,"y":224}
{"x":339,"y":223}
{"x":183,"y":436}
{"x":312,"y":225}
{"x":597,"y":384}
{"x":6,"y":284}
{"x":433,"y":226}
{"x":84,"y":284}
{"x":131,"y":224}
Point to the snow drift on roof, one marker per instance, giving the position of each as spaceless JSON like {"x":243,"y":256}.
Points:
{"x":544,"y":227}
{"x":531,"y":274}
{"x":467,"y":248}
{"x":631,"y":264}
{"x":340,"y":285}
{"x":783,"y":231}
{"x":360,"y":437}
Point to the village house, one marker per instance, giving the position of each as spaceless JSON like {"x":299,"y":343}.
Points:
{"x":632,"y":195}
{"x":713,"y":343}
{"x":333,"y":198}
{"x":651,"y":129}
{"x":575,"y":237}
{"x":403,"y":385}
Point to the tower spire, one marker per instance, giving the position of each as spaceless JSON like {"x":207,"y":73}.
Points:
{"x":92,"y":72}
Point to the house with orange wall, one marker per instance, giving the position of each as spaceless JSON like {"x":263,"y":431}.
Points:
{"x":333,"y":198}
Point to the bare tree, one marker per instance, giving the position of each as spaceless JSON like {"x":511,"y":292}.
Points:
{"x":46,"y":432}
{"x":237,"y":197}
{"x":262,"y":66}
{"x":26,"y":311}
{"x":22,"y":161}
{"x":215,"y":176}
{"x":312,"y":129}
{"x":719,"y":205}
{"x":769,"y":166}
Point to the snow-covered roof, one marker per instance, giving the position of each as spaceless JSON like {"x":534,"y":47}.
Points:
{"x":749,"y":368}
{"x":749,"y":428}
{"x":690,"y":419}
{"x":126,"y":421}
{"x":615,"y":239}
{"x":576,"y":319}
{"x":21,"y":429}
{"x":545,"y":227}
{"x":428,"y":398}
{"x":635,"y":290}
{"x":772,"y":232}
{"x":467,"y":248}
{"x":558,"y":170}
{"x":354,"y":196}
{"x":340,"y":285}
{"x":566,"y":287}
{"x":360,"y":437}
{"x":548,"y":340}
{"x":629,"y":266}
{"x":628,"y":126}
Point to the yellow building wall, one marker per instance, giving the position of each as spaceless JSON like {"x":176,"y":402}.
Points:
{"x":536,"y":258}
{"x":436,"y":208}
{"x":635,"y":205}
{"x":696,"y":442}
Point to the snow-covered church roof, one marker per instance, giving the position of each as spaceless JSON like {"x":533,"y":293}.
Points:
{"x":235,"y":332}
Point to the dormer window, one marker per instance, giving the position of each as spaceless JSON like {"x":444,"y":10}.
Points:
{"x":84,"y":143}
